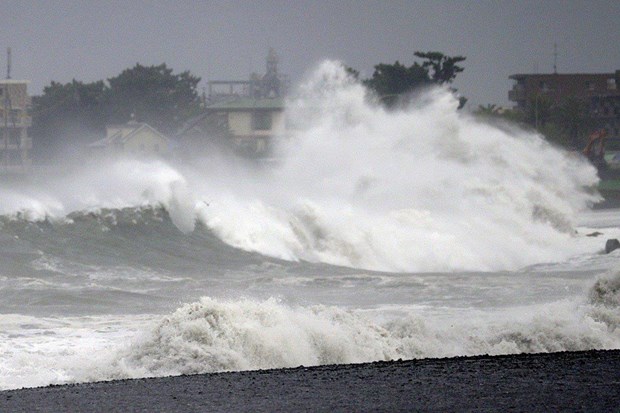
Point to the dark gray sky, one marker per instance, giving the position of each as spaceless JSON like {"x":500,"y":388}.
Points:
{"x":95,"y":39}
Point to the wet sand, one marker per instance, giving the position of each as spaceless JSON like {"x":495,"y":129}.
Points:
{"x":587,"y":381}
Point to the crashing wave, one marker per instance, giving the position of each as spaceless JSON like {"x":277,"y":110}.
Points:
{"x":213,"y":335}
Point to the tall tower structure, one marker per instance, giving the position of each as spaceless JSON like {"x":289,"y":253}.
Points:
{"x":15,"y":144}
{"x":271,"y":80}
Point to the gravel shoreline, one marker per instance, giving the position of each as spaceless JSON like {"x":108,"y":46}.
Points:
{"x":568,"y":381}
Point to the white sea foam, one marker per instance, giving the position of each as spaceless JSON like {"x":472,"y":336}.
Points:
{"x":41,"y":351}
{"x":422,"y":188}
{"x":213,"y":335}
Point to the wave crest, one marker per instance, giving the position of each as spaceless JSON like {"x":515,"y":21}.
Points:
{"x":212,"y":335}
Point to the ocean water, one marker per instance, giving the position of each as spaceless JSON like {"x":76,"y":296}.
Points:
{"x":371,"y":235}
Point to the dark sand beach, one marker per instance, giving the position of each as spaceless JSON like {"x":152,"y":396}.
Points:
{"x":587,"y":381}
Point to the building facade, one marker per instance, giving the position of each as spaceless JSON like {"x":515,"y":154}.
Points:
{"x":133,"y":139}
{"x":253,"y":124}
{"x":15,"y":144}
{"x":247,"y":116}
{"x":600,"y":91}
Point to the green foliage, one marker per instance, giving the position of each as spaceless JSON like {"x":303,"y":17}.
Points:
{"x":539,"y":111}
{"x":574,"y":120}
{"x":355,"y":74}
{"x":153,"y":94}
{"x":566,"y":124}
{"x":489,"y":111}
{"x":553,"y":133}
{"x":67,"y":115}
{"x":445,"y":68}
{"x":392,"y":82}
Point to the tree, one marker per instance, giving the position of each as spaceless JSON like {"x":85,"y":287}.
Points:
{"x":488,"y":111}
{"x":153,"y":94}
{"x":355,"y":74}
{"x":573,"y":118}
{"x":539,"y":110}
{"x":66,"y":114}
{"x":444,"y":67}
{"x":390,"y":82}
{"x":72,"y":114}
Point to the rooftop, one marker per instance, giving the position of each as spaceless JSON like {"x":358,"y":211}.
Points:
{"x":523,"y":75}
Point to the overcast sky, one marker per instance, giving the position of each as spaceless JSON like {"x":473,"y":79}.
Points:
{"x":96,"y":39}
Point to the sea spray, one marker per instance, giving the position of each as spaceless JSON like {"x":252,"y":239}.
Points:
{"x":421,"y":188}
{"x":98,"y":259}
{"x":101,"y":184}
{"x":214,"y":335}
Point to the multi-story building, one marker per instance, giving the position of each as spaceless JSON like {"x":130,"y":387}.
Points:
{"x":249,"y":115}
{"x":15,"y":145}
{"x":600,"y":91}
{"x":253,"y":123}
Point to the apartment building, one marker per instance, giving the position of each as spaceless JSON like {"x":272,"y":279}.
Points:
{"x":15,"y":144}
{"x":601,"y":91}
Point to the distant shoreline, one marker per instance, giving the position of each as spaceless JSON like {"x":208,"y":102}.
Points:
{"x":567,"y":381}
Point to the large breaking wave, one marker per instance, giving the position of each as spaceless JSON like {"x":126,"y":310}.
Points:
{"x":423,"y":188}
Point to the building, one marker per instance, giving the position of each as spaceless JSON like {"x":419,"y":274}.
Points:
{"x":271,"y":85}
{"x":246,"y":115}
{"x":133,"y":139}
{"x":15,"y":144}
{"x":252,"y":123}
{"x":601,"y":92}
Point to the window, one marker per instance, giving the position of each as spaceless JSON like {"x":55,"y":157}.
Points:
{"x":589,"y":85}
{"x":261,"y":120}
{"x":543,"y":86}
{"x":611,"y":84}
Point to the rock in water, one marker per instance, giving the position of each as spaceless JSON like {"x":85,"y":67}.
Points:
{"x":611,"y":245}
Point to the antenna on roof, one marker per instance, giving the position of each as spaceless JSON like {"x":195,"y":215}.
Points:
{"x":555,"y":58}
{"x":8,"y":63}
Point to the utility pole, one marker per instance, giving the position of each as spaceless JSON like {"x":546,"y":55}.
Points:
{"x":555,"y":58}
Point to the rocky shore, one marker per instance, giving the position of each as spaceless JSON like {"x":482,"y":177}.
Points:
{"x":569,"y":381}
